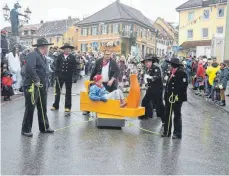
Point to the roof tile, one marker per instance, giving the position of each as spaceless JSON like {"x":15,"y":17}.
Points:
{"x":54,"y":28}
{"x":116,"y":11}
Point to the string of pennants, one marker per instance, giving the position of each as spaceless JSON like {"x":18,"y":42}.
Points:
{"x":194,"y":21}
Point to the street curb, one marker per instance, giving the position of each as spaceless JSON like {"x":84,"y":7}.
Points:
{"x":224,"y":109}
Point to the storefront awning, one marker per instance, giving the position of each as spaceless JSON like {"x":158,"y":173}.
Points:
{"x":194,"y":44}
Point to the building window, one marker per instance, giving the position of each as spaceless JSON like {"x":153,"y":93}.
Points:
{"x":26,"y":32}
{"x":57,"y":39}
{"x":33,"y":32}
{"x":144,"y":33}
{"x":206,"y":14}
{"x":205,"y":32}
{"x":84,"y":31}
{"x":104,"y":29}
{"x":190,"y":16}
{"x":50,"y":40}
{"x":190,"y":34}
{"x":220,"y":30}
{"x":94,"y":30}
{"x":115,"y":28}
{"x":220,"y":12}
{"x":138,"y":32}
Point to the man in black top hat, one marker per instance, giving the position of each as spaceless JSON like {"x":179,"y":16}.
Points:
{"x":66,"y":66}
{"x":153,"y":77}
{"x":36,"y":75}
{"x":175,"y":95}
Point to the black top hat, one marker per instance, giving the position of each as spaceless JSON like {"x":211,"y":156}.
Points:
{"x":67,"y":45}
{"x":150,"y":57}
{"x":42,"y":42}
{"x":175,"y":61}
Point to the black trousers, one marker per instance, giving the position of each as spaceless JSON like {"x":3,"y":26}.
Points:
{"x":155,"y":100}
{"x":29,"y":110}
{"x":68,"y":95}
{"x":177,"y":121}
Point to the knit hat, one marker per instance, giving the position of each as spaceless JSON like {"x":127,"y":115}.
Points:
{"x":97,"y":78}
{"x":205,"y":60}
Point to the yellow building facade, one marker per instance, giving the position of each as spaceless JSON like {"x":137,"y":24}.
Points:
{"x":198,"y":25}
{"x":92,"y":42}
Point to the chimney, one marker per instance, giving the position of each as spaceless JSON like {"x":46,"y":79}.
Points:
{"x":41,"y":22}
{"x":69,"y":18}
{"x":118,"y":1}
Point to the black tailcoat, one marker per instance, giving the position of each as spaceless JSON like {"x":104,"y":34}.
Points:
{"x":36,"y":70}
{"x":154,"y":93}
{"x":65,"y":69}
{"x":177,"y":85}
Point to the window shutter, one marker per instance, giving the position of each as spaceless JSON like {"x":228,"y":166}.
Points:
{"x":112,"y":26}
{"x":108,"y":29}
{"x":81,"y":29}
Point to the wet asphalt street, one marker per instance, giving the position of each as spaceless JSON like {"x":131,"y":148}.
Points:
{"x":84,"y":149}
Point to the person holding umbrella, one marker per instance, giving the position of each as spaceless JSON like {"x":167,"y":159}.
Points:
{"x":66,"y":66}
{"x":175,"y":95}
{"x":36,"y":73}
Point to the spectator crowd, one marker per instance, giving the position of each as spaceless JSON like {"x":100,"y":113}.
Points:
{"x":207,"y":77}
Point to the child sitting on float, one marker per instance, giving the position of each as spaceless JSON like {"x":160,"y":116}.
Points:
{"x":97,"y":92}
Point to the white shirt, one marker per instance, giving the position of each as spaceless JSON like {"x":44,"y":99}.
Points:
{"x":105,"y":72}
{"x":65,"y":56}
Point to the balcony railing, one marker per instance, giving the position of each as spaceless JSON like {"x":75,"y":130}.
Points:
{"x":128,"y":34}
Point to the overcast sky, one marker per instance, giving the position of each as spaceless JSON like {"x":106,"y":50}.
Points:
{"x":60,"y":9}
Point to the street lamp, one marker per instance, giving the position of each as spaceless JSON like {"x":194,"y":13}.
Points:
{"x":6,"y":12}
{"x":27,"y":13}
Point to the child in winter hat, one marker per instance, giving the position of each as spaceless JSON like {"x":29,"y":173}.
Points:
{"x":97,"y":92}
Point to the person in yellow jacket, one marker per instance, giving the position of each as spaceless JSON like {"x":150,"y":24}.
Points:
{"x":211,"y":71}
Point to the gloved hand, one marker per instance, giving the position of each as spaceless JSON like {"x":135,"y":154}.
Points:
{"x":221,"y":86}
{"x":103,"y":99}
{"x":148,"y":76}
{"x":37,"y":84}
{"x":176,"y":98}
{"x":166,"y":78}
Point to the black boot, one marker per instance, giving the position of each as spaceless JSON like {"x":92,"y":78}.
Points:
{"x":176,"y":137}
{"x":86,"y":113}
{"x":30,"y":134}
{"x":223,"y":103}
{"x":49,"y":130}
{"x":142,"y":117}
